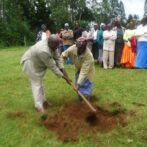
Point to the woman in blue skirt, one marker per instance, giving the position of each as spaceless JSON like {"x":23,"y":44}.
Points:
{"x":141,"y":33}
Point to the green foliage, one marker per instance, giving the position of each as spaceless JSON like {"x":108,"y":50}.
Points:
{"x":20,"y":20}
{"x":58,"y":18}
{"x":86,"y":15}
{"x":42,"y":14}
{"x":101,"y":11}
{"x":84,"y":23}
{"x":15,"y":26}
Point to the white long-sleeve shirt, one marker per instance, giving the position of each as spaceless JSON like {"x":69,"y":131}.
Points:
{"x":109,"y":40}
{"x":41,"y":57}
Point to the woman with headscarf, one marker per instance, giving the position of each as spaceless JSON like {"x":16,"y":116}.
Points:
{"x":84,"y":64}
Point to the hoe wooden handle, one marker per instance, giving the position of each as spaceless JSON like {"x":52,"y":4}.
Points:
{"x":83,"y":97}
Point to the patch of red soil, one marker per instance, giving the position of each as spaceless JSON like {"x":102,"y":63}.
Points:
{"x":17,"y":114}
{"x":144,"y":137}
{"x":74,"y":119}
{"x":138,"y":104}
{"x":115,"y":104}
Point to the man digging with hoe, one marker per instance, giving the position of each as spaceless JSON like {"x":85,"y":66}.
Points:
{"x":36,"y":60}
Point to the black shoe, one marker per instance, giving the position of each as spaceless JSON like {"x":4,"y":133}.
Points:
{"x":46,"y":104}
{"x":90,"y":98}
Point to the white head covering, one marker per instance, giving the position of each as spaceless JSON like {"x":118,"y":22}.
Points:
{"x":66,"y":25}
{"x":102,"y":24}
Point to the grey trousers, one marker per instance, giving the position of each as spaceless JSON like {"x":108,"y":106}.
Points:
{"x":100,"y":58}
{"x":108,"y":59}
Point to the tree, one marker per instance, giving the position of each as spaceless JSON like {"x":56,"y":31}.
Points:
{"x":22,"y":18}
{"x":130,"y":17}
{"x":117,"y":9}
{"x":100,"y":10}
{"x":13,"y":22}
{"x":67,"y":11}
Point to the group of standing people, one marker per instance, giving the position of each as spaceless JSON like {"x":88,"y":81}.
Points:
{"x":134,"y":53}
{"x":115,"y":46}
{"x":102,"y":43}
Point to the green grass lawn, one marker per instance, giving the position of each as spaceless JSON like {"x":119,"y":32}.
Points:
{"x":20,"y":124}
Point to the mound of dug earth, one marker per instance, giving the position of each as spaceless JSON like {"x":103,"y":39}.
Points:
{"x":74,"y":119}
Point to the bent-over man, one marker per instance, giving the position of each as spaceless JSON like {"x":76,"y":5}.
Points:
{"x":36,"y":60}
